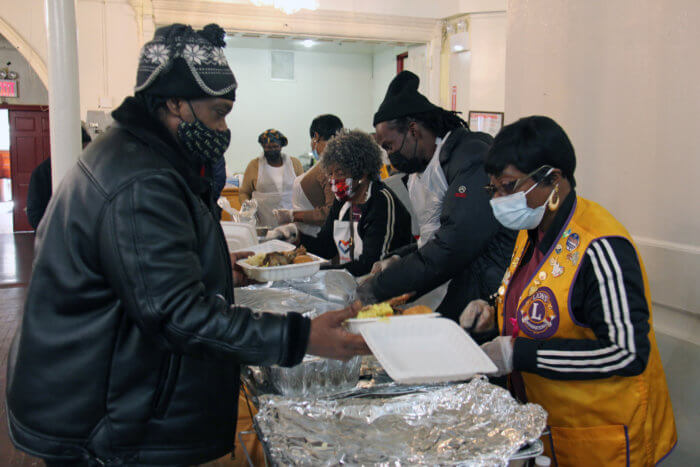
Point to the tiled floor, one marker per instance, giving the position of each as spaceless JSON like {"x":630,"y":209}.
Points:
{"x":16,"y":254}
{"x":6,"y":216}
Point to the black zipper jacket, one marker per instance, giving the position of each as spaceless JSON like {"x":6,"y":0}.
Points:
{"x":129,"y":349}
{"x":384,"y":225}
{"x":471,"y":248}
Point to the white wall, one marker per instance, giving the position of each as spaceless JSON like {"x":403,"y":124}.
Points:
{"x":479,"y":73}
{"x":622,"y":79}
{"x":4,"y":130}
{"x":108,"y":51}
{"x":340,"y":84}
{"x":460,"y":76}
{"x":383,"y":71}
{"x":487,"y":90}
{"x":23,"y":23}
{"x":31,"y":89}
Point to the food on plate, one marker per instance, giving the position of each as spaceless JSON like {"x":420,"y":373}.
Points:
{"x":280,"y":258}
{"x":303,"y":259}
{"x":417,"y":310}
{"x":389,"y":308}
{"x":378,"y":310}
{"x":400,"y":300}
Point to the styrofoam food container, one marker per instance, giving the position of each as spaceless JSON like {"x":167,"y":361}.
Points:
{"x":268,"y":247}
{"x":424,"y":351}
{"x":278,"y":273}
{"x":239,"y":235}
{"x":353,"y":325}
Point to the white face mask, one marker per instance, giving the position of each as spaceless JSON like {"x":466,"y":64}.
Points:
{"x":513,"y":212}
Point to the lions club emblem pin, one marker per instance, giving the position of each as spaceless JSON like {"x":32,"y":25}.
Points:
{"x":538,"y":314}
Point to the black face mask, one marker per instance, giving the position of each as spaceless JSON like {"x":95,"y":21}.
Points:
{"x":407,"y":164}
{"x":273,"y":156}
{"x":203,"y":142}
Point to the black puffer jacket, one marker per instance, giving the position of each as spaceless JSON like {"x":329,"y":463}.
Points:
{"x":129,"y":349}
{"x":470,"y":247}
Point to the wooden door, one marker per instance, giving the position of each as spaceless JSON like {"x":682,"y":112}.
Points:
{"x":29,"y":146}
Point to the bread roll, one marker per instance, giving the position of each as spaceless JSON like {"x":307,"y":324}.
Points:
{"x":417,"y":310}
{"x":303,"y":259}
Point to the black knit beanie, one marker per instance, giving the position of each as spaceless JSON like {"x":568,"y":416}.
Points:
{"x":182,"y":62}
{"x":402,"y":99}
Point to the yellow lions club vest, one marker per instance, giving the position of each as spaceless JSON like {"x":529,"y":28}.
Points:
{"x":600,"y":422}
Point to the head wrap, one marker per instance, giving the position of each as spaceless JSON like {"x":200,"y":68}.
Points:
{"x":180,"y":62}
{"x":403,"y":99}
{"x":272,"y":136}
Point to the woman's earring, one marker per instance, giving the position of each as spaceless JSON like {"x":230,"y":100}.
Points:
{"x":553,"y":205}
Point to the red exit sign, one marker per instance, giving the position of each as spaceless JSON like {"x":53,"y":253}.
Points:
{"x":8,"y":88}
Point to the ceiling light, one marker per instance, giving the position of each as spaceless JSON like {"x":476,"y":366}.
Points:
{"x":288,"y":6}
{"x":308,"y":43}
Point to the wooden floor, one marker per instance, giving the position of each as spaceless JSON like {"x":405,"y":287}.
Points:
{"x":16,"y":256}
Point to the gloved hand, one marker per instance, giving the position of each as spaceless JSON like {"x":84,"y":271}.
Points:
{"x":500,"y":351}
{"x":380,"y":266}
{"x":287,"y":232}
{"x":477,"y":316}
{"x":283,"y":216}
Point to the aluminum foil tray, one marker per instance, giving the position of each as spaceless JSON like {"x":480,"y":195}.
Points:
{"x":314,"y":377}
{"x":473,"y":424}
{"x":313,"y":296}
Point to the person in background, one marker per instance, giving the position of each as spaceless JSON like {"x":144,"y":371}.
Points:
{"x":460,"y":240}
{"x":268,"y":179}
{"x":130,"y":346}
{"x":573,"y":309}
{"x":40,"y":186}
{"x":312,"y":197}
{"x":366,"y":220}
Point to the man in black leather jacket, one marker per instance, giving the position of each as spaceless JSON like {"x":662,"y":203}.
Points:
{"x":130,"y":344}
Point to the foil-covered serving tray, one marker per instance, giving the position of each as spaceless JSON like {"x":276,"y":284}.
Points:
{"x":473,"y":423}
{"x":313,"y":296}
{"x":314,"y":377}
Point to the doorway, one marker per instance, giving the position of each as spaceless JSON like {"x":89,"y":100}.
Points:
{"x":28,"y":130}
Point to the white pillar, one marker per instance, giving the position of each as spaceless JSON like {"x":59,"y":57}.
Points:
{"x":64,"y":97}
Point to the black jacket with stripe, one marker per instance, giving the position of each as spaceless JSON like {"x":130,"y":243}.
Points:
{"x":384,"y":225}
{"x":610,"y":272}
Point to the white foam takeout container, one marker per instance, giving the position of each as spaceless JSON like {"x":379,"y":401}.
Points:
{"x":424,"y":351}
{"x":278,"y":273}
{"x":354,"y":325}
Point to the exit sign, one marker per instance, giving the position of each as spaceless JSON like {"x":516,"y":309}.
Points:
{"x":8,"y":88}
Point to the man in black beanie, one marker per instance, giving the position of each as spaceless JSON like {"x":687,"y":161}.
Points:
{"x":460,"y":240}
{"x":130,"y":345}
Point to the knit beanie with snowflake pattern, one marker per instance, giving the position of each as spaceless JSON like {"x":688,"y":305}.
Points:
{"x":181,"y":62}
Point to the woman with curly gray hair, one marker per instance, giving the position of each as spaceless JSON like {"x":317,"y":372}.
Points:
{"x":367,"y":220}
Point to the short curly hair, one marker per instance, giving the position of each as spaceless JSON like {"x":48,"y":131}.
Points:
{"x":355,"y":152}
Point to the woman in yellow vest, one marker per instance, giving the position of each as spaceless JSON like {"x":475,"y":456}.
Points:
{"x":573,"y":310}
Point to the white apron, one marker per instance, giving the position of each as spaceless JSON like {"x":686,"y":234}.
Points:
{"x":269,"y":194}
{"x":301,"y":203}
{"x":427,"y":191}
{"x":395,"y":184}
{"x":347,"y":239}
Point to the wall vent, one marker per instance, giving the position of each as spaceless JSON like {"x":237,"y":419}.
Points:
{"x":282,"y":65}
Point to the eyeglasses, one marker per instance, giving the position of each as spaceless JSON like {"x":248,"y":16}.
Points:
{"x":512,"y":187}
